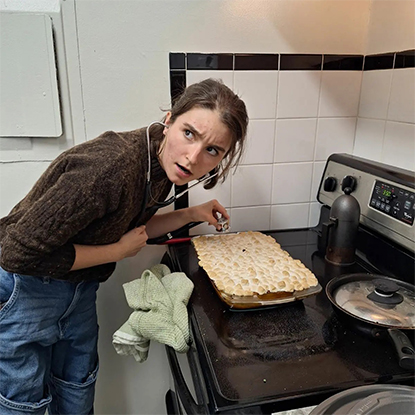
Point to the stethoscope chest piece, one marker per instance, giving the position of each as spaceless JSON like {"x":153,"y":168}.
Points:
{"x":224,"y":225}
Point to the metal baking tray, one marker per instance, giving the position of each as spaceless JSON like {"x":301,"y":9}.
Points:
{"x":264,"y":300}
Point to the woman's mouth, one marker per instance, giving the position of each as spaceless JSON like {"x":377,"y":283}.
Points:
{"x":183,"y":171}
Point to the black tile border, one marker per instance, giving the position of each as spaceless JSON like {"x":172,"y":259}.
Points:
{"x":300,"y":62}
{"x":177,"y":60}
{"x":183,"y":201}
{"x":342,"y":62}
{"x":181,"y":61}
{"x":256,"y":61}
{"x":378,"y":62}
{"x":405,"y":59}
{"x":177,"y":86}
{"x":209,"y":61}
{"x":177,"y":83}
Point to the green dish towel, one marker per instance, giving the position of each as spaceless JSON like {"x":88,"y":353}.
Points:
{"x":159,"y":300}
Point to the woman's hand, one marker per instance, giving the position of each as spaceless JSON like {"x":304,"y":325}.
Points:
{"x":160,"y":224}
{"x":91,"y":255}
{"x":207,"y":212}
{"x":132,"y":242}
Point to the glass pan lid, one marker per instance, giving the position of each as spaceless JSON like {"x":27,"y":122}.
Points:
{"x":355,"y":298}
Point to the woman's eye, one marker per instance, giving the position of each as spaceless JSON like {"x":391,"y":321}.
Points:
{"x":212,"y":151}
{"x":188,"y":134}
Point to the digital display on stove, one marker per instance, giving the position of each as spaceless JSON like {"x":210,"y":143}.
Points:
{"x":393,"y":201}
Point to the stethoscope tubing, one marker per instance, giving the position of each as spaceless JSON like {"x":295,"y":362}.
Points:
{"x":172,"y":199}
{"x":171,"y":235}
{"x":157,"y":205}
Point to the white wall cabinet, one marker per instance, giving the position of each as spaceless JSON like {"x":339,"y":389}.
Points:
{"x":29,"y":96}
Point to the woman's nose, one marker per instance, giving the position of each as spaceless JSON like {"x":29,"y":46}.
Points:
{"x":193,"y":154}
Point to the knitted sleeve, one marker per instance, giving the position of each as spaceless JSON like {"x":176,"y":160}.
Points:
{"x":38,"y":243}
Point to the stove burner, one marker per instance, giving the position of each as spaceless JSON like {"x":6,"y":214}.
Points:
{"x":284,"y":332}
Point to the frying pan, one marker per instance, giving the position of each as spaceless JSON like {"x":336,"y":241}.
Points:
{"x":377,"y":306}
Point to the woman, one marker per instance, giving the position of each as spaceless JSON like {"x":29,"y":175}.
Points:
{"x":91,"y":208}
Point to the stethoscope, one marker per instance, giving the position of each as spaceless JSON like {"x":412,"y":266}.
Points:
{"x":157,"y":205}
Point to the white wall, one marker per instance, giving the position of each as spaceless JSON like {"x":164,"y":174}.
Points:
{"x":113,"y":66}
{"x":124,"y":45}
{"x":391,"y":26}
{"x":23,"y":159}
{"x":386,"y":122}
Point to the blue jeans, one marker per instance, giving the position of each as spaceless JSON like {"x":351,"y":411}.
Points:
{"x":48,"y":345}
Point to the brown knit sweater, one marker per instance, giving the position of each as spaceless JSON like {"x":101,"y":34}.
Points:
{"x":90,"y":195}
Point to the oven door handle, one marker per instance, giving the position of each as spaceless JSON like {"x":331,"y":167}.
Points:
{"x":182,"y":389}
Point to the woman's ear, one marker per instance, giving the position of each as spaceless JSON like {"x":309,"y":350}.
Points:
{"x":167,"y":122}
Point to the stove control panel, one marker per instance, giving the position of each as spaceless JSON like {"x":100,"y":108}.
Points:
{"x":393,"y":201}
{"x":386,"y":195}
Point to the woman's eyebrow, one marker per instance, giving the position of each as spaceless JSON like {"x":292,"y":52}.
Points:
{"x":192,"y":128}
{"x":196,"y":132}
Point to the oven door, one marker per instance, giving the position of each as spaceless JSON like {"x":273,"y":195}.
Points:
{"x":183,"y":396}
{"x":188,"y":392}
{"x":187,"y":387}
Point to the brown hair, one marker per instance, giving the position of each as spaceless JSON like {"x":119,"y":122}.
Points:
{"x":213,"y":94}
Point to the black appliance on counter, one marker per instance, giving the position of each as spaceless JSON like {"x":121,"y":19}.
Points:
{"x":296,"y":355}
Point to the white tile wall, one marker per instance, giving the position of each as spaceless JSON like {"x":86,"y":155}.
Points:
{"x":369,"y":138}
{"x":318,"y":168}
{"x":297,"y":120}
{"x":402,"y":96}
{"x":250,"y":218}
{"x":334,"y":135}
{"x":386,"y":120}
{"x":340,"y":91}
{"x":291,"y":183}
{"x":295,"y":140}
{"x":374,"y":96}
{"x":298,"y":94}
{"x":251,"y":185}
{"x":203,"y":229}
{"x":258,"y":89}
{"x":289,"y":216}
{"x":260,"y":142}
{"x":399,"y":145}
{"x":221,"y":192}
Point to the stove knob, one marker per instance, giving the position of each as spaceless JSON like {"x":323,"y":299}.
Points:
{"x":349,"y":181}
{"x":330,"y":184}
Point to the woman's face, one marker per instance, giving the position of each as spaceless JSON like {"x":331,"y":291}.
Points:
{"x":194,"y":144}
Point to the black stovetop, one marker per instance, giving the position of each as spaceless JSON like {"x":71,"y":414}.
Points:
{"x":287,"y":356}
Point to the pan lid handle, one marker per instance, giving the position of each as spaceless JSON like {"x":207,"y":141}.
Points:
{"x":385,"y":292}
